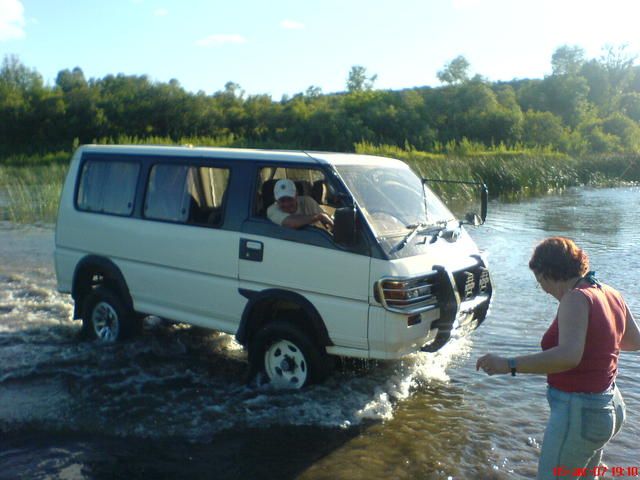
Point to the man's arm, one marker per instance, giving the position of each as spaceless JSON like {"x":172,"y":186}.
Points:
{"x":300,"y":220}
{"x":311,"y":207}
{"x":312,"y":213}
{"x":276,"y":215}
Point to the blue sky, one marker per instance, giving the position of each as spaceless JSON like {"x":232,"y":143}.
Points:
{"x":284,"y":46}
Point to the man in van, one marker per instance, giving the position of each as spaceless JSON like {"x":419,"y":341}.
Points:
{"x":292,"y":211}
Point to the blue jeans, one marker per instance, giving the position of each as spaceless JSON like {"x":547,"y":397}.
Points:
{"x":579,"y":427}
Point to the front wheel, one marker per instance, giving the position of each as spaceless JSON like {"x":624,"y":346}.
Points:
{"x":286,"y":356}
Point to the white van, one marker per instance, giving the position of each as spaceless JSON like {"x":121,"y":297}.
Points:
{"x":181,"y":233}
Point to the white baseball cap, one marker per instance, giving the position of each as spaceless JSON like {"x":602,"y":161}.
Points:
{"x":284,"y":188}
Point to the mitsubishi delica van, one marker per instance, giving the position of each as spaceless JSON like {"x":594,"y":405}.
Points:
{"x":181,"y":233}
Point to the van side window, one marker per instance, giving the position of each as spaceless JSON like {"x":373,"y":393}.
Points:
{"x":108,"y":187}
{"x":186,"y":194}
{"x":309,"y":182}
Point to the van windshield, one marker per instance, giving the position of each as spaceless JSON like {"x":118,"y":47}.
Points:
{"x":391,"y":198}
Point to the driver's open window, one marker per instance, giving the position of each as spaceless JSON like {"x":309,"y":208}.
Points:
{"x":309,"y":182}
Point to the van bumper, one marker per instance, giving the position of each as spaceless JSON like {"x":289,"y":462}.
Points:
{"x":395,"y":335}
{"x":464,"y":299}
{"x":468,"y":317}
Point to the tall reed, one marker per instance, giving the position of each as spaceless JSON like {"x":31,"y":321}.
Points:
{"x":31,"y":194}
{"x":511,"y":173}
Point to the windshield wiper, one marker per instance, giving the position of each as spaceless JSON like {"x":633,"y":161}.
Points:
{"x":422,"y":228}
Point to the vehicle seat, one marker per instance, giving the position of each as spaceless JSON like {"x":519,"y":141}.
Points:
{"x":303,"y":187}
{"x":267,"y":195}
{"x":319,"y":191}
{"x":215,"y":214}
{"x":215,"y":217}
{"x":196,"y":213}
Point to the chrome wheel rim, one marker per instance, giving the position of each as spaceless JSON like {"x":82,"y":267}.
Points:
{"x":285,"y":365}
{"x":106,"y":324}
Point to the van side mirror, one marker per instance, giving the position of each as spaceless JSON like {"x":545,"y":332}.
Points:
{"x":484,"y":202}
{"x":344,"y":225}
{"x":473,"y":219}
{"x":470,"y":218}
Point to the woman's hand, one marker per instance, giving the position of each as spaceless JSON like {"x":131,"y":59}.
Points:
{"x":493,"y":364}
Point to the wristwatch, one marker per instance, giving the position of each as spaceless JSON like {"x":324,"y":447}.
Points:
{"x":512,"y":366}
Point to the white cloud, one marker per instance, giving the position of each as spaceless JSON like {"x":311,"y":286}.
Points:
{"x":161,"y":12}
{"x":11,"y":19}
{"x":221,"y":39}
{"x":291,"y":25}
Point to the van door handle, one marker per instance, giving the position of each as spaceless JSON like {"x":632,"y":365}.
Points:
{"x":251,"y":250}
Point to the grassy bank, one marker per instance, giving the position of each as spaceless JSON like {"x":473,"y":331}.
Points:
{"x":30,"y":185}
{"x":30,"y":194}
{"x":514,"y":173}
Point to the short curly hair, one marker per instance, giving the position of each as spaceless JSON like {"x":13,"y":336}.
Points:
{"x":559,"y":258}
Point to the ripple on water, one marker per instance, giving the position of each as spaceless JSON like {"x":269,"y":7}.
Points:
{"x":180,"y":382}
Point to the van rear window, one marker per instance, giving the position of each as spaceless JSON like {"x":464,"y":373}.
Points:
{"x":186,"y":194}
{"x":108,"y":187}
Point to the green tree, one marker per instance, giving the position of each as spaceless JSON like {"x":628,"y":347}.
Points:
{"x":544,"y":129}
{"x":231,"y":102}
{"x":600,"y":91}
{"x":313,"y":92}
{"x":23,"y":98}
{"x":83,"y":119}
{"x":456,"y":71}
{"x":625,"y":129}
{"x":619,"y":65}
{"x":357,"y":81}
{"x":567,"y":60}
{"x":567,"y":96}
{"x":630,"y":105}
{"x":68,"y":80}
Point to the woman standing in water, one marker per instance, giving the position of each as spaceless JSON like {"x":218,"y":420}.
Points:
{"x":580,"y":357}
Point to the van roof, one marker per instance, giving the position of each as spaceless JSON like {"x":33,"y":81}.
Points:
{"x":297,"y":156}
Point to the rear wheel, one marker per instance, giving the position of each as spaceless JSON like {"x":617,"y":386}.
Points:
{"x":106,"y":317}
{"x":285,"y":355}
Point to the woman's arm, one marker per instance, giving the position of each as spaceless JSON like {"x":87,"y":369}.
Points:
{"x":573,"y":319}
{"x":631,"y":337}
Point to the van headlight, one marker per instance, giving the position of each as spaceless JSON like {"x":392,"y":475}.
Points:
{"x":407,"y":295}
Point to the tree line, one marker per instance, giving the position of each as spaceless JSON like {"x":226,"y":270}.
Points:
{"x":585,"y":106}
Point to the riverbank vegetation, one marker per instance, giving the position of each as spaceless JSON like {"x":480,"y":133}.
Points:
{"x":31,"y":194}
{"x":579,"y":125}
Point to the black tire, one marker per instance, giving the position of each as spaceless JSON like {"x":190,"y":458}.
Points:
{"x":107,"y":318}
{"x":286,"y":357}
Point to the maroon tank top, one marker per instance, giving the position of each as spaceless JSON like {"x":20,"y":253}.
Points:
{"x":598,"y":368}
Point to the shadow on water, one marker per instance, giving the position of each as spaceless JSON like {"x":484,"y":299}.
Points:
{"x":279,"y":452}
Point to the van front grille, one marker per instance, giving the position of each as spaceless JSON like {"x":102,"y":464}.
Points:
{"x":472,"y":282}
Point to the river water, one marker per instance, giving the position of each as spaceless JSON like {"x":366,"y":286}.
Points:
{"x":174,"y":403}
